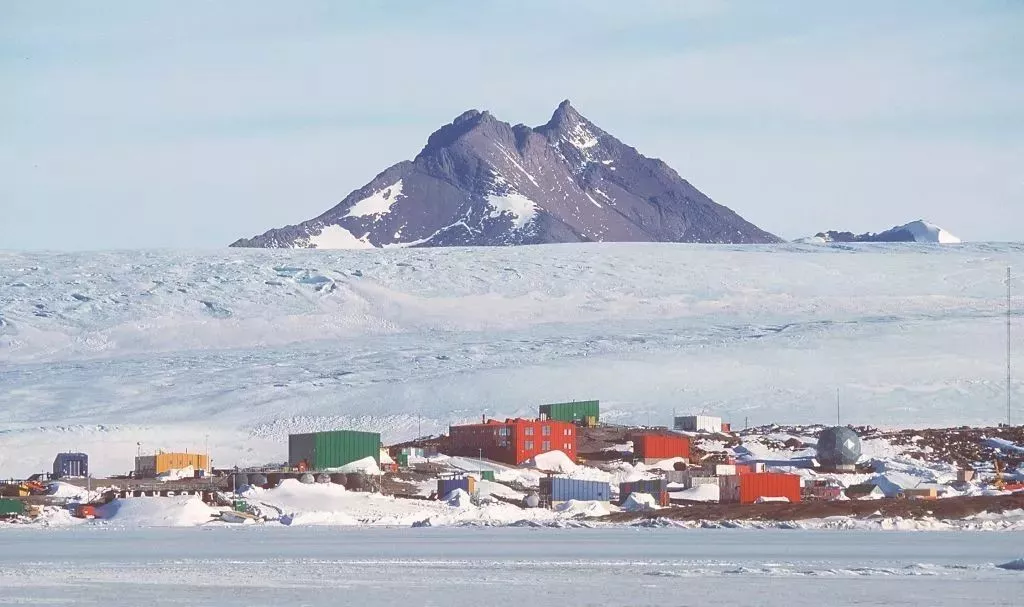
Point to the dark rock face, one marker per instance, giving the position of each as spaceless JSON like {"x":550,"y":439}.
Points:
{"x":890,"y":236}
{"x":480,"y":181}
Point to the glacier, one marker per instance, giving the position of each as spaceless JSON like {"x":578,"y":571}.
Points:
{"x":114,"y":352}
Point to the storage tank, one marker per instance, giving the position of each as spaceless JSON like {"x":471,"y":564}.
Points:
{"x":339,"y":478}
{"x":258,"y":480}
{"x":307,"y":479}
{"x":323,"y":478}
{"x":839,"y":449}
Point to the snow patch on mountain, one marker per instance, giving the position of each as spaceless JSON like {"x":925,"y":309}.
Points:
{"x":519,"y":208}
{"x":928,"y":232}
{"x":377,"y":203}
{"x":581,"y":138}
{"x":337,"y":237}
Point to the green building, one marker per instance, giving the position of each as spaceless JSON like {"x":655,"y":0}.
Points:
{"x":586,"y":412}
{"x":10,"y":507}
{"x":333,"y":449}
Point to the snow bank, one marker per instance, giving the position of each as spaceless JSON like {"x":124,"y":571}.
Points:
{"x":332,"y":519}
{"x":291,"y":496}
{"x":67,"y":491}
{"x":1003,"y":444}
{"x":176,"y":474}
{"x":458,"y":498}
{"x":367,"y":466}
{"x":698,"y":493}
{"x":552,"y":461}
{"x":583,"y":508}
{"x":667,"y":465}
{"x":184,"y":511}
{"x":639,"y":502}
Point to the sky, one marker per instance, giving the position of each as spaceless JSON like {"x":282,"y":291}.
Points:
{"x":190,"y":124}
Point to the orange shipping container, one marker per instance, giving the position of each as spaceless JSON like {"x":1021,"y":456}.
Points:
{"x":152,"y":465}
{"x":768,"y":484}
{"x":660,"y":446}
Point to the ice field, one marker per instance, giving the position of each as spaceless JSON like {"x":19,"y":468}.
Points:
{"x":506,"y":566}
{"x":237,"y":348}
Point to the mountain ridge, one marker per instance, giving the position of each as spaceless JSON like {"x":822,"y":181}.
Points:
{"x":481,"y":181}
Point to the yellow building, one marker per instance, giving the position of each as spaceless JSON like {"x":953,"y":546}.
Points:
{"x":148,"y":466}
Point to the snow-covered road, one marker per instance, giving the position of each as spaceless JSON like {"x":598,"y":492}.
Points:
{"x":510,"y":566}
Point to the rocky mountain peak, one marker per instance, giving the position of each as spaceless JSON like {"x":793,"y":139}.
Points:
{"x":463,"y":124}
{"x":480,"y":181}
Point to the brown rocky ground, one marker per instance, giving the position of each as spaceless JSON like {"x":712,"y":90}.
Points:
{"x":961,"y":446}
{"x":949,"y":508}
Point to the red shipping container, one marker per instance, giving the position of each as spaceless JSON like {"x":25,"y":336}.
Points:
{"x":769,"y":484}
{"x":660,"y":446}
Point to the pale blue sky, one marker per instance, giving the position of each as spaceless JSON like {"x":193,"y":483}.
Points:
{"x":190,"y":124}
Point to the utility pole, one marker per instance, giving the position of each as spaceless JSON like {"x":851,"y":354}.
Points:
{"x":838,"y":423}
{"x":1009,"y":330}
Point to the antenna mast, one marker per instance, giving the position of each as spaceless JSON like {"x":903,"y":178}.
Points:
{"x":838,"y":423}
{"x":1009,"y":327}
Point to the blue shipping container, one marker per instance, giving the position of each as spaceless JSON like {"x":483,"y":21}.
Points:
{"x":559,"y":489}
{"x":447,"y":485}
{"x":70,"y":464}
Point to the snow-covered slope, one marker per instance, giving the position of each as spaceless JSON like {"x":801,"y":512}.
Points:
{"x":928,"y":232}
{"x":99,"y":351}
{"x":915,"y":231}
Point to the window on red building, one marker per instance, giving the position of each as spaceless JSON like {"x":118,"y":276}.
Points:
{"x":546,"y":431}
{"x":546,"y":446}
{"x":529,"y":445}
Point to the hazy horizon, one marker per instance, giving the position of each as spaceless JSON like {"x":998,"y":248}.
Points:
{"x":189,"y":125}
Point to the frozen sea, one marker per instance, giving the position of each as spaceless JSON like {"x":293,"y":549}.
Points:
{"x":504,"y":566}
{"x":237,"y":348}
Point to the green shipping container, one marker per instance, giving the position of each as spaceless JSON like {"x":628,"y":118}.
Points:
{"x":322,"y":450}
{"x":487,"y":475}
{"x":9,"y":507}
{"x":573,"y":412}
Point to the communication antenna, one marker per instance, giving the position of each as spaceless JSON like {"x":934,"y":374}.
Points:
{"x":1009,"y":352}
{"x":838,"y":423}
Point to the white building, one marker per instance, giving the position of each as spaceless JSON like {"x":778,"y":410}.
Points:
{"x":698,"y":423}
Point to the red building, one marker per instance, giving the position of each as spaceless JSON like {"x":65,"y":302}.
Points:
{"x":656,"y":446}
{"x":513,"y":441}
{"x":751,"y":488}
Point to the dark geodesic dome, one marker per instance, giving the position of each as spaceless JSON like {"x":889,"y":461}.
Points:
{"x":839,"y":446}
